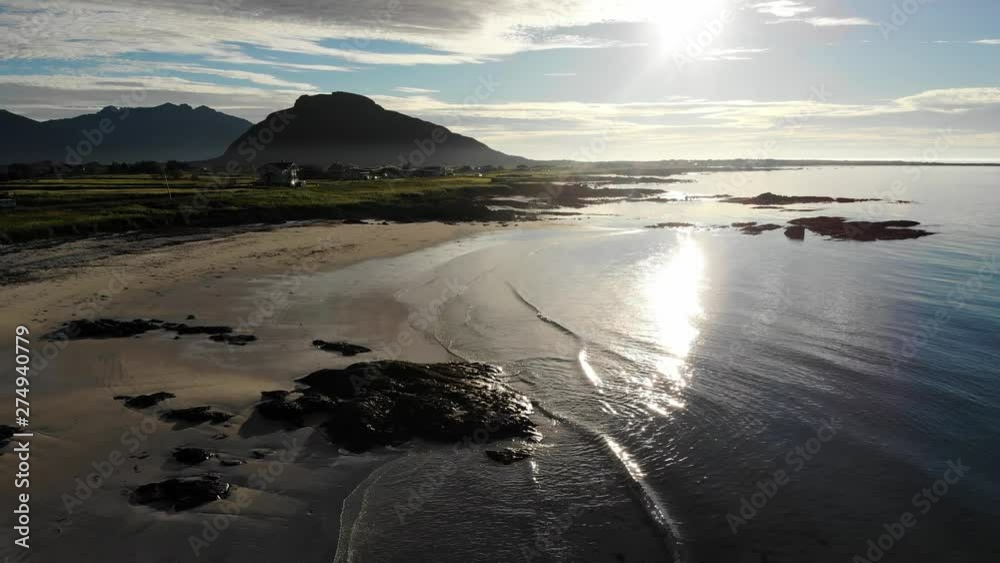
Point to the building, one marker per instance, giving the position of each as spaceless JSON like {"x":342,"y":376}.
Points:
{"x":283,"y":174}
{"x":338,"y":171}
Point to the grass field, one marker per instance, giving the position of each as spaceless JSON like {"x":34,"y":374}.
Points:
{"x":53,"y":207}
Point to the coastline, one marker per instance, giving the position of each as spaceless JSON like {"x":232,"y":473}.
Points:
{"x":89,"y":451}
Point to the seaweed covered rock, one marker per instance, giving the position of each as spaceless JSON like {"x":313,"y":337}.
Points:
{"x":865,"y":231}
{"x":391,"y":402}
{"x":343,"y":348}
{"x":181,"y":494}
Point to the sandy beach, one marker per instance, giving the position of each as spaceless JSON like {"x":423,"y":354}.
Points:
{"x":89,"y":451}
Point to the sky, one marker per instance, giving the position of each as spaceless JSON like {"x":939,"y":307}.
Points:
{"x":564,"y":79}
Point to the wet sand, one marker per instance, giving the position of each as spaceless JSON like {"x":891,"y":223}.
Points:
{"x":89,"y":451}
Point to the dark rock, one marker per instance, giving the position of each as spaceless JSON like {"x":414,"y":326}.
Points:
{"x":355,"y":222}
{"x":101,"y":328}
{"x":261,"y":453}
{"x":187,"y":329}
{"x":181,"y":494}
{"x":234,"y":339}
{"x":110,"y":328}
{"x":231,"y":462}
{"x":343,"y":348}
{"x":770,"y":199}
{"x":796,"y":233}
{"x":391,"y":402}
{"x":508,"y":456}
{"x":294,"y":412}
{"x":273,"y":395}
{"x":756,"y":229}
{"x":196,"y":415}
{"x":6,"y":433}
{"x":191,"y":317}
{"x":191,"y":456}
{"x":865,"y":231}
{"x":145,"y":401}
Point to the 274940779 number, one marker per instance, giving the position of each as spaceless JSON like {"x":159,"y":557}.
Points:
{"x":22,"y":357}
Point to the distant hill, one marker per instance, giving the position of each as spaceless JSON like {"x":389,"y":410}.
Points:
{"x":161,"y":133}
{"x":348,"y":128}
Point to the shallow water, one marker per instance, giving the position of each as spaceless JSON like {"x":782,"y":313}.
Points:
{"x":674,"y":370}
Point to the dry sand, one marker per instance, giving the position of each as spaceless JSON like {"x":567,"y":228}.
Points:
{"x":233,"y":278}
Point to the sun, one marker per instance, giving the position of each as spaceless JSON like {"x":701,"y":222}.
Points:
{"x":679,"y":23}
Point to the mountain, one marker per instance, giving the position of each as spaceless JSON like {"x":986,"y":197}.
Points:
{"x":348,"y":128}
{"x":161,"y":133}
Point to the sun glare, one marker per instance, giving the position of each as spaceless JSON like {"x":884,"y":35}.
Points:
{"x":681,"y":22}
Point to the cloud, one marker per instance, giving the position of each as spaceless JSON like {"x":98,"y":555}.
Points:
{"x":411,"y":90}
{"x":836,"y":22}
{"x":987,"y":42}
{"x":782,"y":8}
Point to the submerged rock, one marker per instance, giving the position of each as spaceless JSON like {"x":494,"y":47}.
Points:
{"x":344,"y":348}
{"x":389,"y":402}
{"x":145,"y":401}
{"x":865,"y":231}
{"x":508,"y":456}
{"x":196,"y":415}
{"x":181,"y":494}
{"x":669,"y":225}
{"x":191,"y":456}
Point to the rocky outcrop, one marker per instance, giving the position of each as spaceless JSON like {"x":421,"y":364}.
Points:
{"x":373,"y":404}
{"x":865,"y":231}
{"x":343,"y":348}
{"x":770,"y":199}
{"x":181,"y":494}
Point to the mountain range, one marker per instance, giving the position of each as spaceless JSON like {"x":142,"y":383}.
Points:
{"x":318,"y":130}
{"x":113,"y":134}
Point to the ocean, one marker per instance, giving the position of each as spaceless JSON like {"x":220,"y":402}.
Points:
{"x":704,"y":395}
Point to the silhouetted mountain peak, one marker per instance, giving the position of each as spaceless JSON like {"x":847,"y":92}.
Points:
{"x":340,"y":101}
{"x":322,"y":129}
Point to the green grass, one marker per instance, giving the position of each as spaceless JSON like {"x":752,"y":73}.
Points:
{"x":115,"y":203}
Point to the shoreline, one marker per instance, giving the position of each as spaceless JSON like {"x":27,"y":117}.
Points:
{"x":81,"y":431}
{"x":52,"y":282}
